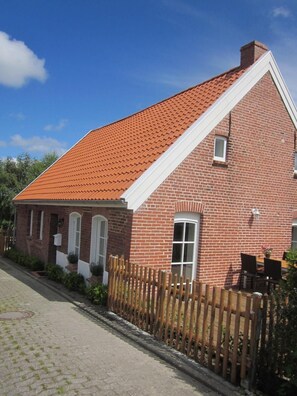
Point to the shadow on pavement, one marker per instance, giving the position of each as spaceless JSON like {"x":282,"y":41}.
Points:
{"x":23,"y":276}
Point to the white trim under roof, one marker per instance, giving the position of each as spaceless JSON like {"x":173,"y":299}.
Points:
{"x":151,"y":179}
{"x":89,"y":203}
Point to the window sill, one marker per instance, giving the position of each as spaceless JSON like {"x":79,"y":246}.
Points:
{"x":223,"y":164}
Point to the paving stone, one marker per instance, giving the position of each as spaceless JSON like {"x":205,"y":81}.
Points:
{"x":60,"y":350}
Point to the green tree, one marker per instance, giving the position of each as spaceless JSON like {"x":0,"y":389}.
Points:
{"x":281,"y":354}
{"x":15,"y":175}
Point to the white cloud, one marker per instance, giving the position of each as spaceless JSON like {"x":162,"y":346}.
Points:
{"x":38,"y":144}
{"x":18,"y":116}
{"x":183,"y":8}
{"x":176,"y":80}
{"x":2,"y":143}
{"x":51,"y":127}
{"x":19,"y":64}
{"x":281,"y":12}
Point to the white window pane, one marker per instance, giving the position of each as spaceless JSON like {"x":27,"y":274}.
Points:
{"x":78,"y":224}
{"x":187,"y":271}
{"x":188,"y":252}
{"x":220,"y":145}
{"x":190,"y":232}
{"x":101,"y":246}
{"x":101,"y":260}
{"x":41,"y":225}
{"x":178,"y":231}
{"x":77,"y":239}
{"x":219,"y":149}
{"x":31,"y":223}
{"x":74,"y":233}
{"x":294,"y":234}
{"x":102,"y":231}
{"x":99,"y":240}
{"x":176,"y":269}
{"x":184,"y":246}
{"x":177,"y":253}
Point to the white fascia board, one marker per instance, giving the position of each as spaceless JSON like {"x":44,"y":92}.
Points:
{"x":283,"y":90}
{"x":89,"y":204}
{"x":151,"y":179}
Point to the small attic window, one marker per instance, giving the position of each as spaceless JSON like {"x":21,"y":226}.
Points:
{"x":220,"y":148}
{"x":295,"y":163}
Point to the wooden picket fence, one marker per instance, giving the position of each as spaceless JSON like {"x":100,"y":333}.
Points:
{"x":6,"y":242}
{"x":216,"y":327}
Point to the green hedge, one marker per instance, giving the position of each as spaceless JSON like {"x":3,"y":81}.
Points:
{"x":74,"y":281}
{"x":31,"y":262}
{"x":55,"y":272}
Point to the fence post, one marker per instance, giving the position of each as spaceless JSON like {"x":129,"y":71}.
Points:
{"x":2,"y":244}
{"x":110,"y":283}
{"x":255,"y":337}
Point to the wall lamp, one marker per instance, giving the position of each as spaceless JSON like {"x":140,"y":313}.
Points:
{"x":256,"y":213}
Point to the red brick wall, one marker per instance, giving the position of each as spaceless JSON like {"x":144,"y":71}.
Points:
{"x":32,"y":245}
{"x":259,"y":173}
{"x":119,"y":230}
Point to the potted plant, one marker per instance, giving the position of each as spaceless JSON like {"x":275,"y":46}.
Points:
{"x":96,"y":270}
{"x":72,"y":260}
{"x":267,"y":250}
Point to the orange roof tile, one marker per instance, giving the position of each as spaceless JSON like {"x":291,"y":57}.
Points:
{"x":107,"y":161}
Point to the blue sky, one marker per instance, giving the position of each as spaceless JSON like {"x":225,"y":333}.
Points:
{"x":69,"y":66}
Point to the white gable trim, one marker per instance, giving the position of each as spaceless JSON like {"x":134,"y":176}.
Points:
{"x":151,"y":179}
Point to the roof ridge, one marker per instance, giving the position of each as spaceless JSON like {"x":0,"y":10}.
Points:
{"x":141,"y":138}
{"x":234,"y":69}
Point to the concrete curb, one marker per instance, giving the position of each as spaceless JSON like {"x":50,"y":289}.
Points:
{"x":144,"y":340}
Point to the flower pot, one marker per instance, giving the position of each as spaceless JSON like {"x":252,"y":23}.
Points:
{"x":72,"y":267}
{"x":93,"y":280}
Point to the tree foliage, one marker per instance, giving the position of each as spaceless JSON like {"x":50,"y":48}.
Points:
{"x":15,"y":175}
{"x":287,"y":325}
{"x":281,"y":357}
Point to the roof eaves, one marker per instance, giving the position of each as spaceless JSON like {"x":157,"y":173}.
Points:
{"x":79,"y":203}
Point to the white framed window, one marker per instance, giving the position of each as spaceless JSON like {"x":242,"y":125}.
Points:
{"x":40,"y":224}
{"x":74,"y":233}
{"x":185,"y":244}
{"x":99,"y":240}
{"x":30,"y":223}
{"x":294,"y":234}
{"x":295,"y":162}
{"x":220,"y":148}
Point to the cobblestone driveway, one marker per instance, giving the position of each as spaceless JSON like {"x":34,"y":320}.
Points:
{"x":62,"y":351}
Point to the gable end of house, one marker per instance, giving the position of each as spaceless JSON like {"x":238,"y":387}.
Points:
{"x":151,"y":179}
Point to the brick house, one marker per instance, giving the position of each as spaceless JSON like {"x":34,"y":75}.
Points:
{"x":186,"y":184}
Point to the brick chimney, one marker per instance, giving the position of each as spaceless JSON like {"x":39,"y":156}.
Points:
{"x":251,"y":52}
